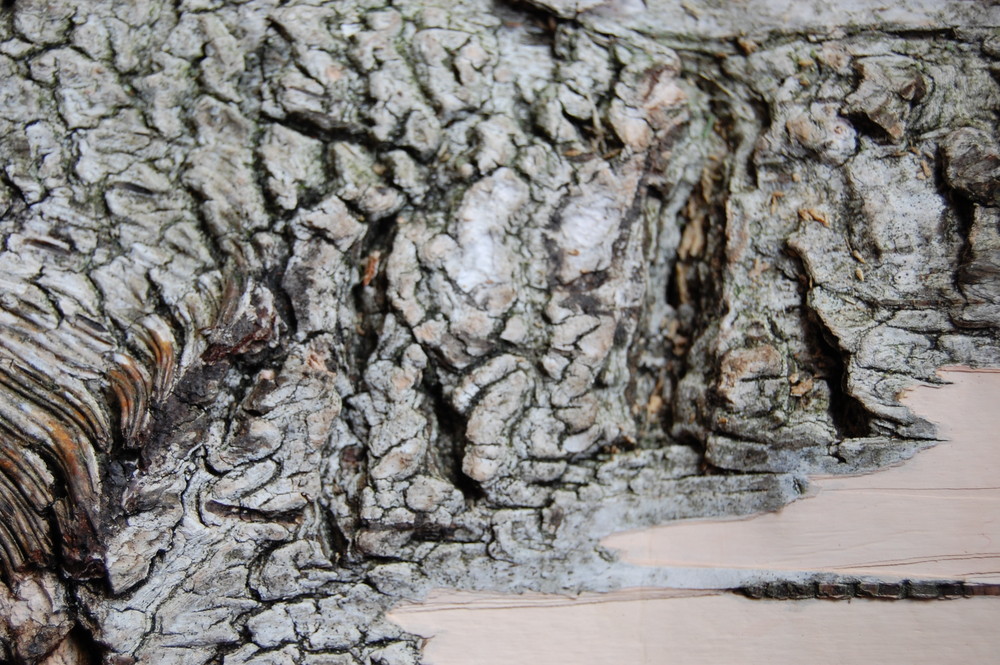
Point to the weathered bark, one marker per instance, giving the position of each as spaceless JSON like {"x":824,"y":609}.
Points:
{"x":308,"y":307}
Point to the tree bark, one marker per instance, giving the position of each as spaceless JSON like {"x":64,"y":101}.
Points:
{"x":308,"y":307}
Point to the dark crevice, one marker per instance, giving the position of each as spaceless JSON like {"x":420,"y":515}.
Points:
{"x":694,"y":289}
{"x":540,"y":25}
{"x":337,"y":544}
{"x":849,"y":416}
{"x":429,"y":532}
{"x":370,"y":292}
{"x":865,"y":125}
{"x":90,"y":650}
{"x":964,"y":210}
{"x":285,"y":517}
{"x":763,"y":120}
{"x":321,"y":128}
{"x":451,"y":435}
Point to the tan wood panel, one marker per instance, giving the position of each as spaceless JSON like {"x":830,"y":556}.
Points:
{"x":711,"y":629}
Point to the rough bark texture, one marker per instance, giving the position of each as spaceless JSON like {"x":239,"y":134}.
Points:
{"x":307,"y":307}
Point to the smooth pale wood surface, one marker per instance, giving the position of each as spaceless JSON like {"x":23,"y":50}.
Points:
{"x":936,"y":516}
{"x":646,"y":628}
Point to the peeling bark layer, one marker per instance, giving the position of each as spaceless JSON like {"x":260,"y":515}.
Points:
{"x":307,"y":307}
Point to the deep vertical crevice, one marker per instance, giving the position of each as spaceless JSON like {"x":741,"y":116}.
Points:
{"x":447,"y":457}
{"x":849,"y":416}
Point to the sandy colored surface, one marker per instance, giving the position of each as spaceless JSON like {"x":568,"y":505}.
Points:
{"x":714,"y":629}
{"x":937,"y":516}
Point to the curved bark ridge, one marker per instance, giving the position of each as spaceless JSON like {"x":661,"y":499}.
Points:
{"x":307,"y":308}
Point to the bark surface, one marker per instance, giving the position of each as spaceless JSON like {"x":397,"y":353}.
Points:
{"x":308,"y":307}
